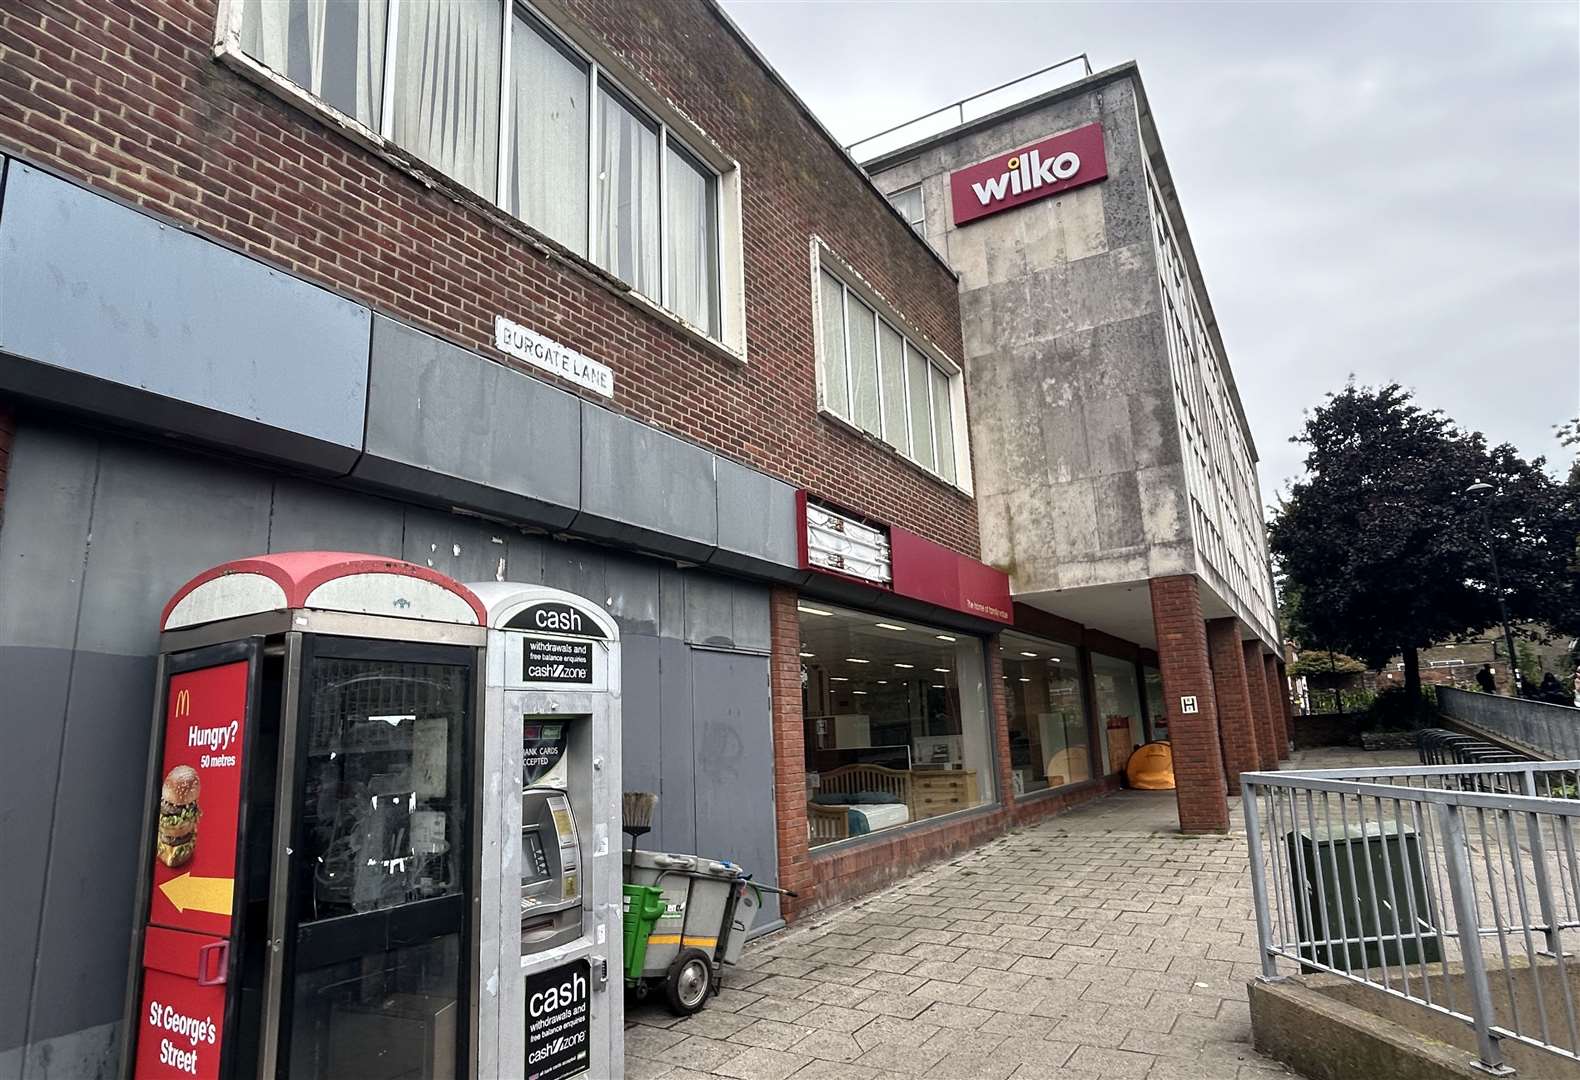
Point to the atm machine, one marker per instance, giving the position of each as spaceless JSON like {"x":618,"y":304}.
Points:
{"x":310,"y":852}
{"x":550,"y":925}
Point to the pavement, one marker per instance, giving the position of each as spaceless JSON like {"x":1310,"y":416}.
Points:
{"x":1097,"y":945}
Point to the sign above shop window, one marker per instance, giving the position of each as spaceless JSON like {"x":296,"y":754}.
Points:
{"x":1033,"y":172}
{"x":840,"y":543}
{"x":513,"y":339}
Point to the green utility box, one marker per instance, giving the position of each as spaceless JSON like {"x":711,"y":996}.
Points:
{"x":1374,"y":875}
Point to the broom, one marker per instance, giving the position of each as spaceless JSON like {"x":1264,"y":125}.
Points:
{"x":636,"y":813}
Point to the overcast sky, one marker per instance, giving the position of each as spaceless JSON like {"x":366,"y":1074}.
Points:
{"x":1391,"y":191}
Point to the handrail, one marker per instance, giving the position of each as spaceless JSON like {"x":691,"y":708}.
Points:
{"x":1452,"y":886}
{"x":959,"y":106}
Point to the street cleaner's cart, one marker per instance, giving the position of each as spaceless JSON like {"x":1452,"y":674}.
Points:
{"x":686,"y":917}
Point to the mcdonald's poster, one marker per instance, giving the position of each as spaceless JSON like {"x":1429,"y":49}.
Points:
{"x":194,"y":856}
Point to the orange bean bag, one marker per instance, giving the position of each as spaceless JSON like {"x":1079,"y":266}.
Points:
{"x":1151,"y":768}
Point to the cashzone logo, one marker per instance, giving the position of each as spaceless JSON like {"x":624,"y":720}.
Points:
{"x":1033,"y":172}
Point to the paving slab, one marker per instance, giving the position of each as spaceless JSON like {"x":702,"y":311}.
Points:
{"x":1097,"y":945}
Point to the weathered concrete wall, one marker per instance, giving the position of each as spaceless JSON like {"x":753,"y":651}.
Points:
{"x":1078,"y":462}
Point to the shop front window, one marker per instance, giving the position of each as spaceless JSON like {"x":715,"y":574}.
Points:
{"x":1157,"y":711}
{"x":1049,"y":742}
{"x":896,"y":718}
{"x":1118,"y":698}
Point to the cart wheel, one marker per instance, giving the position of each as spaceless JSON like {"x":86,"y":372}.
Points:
{"x":689,"y":980}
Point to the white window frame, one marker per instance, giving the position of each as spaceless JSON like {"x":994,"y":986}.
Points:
{"x":824,"y":260}
{"x":920,"y":224}
{"x":604,"y":68}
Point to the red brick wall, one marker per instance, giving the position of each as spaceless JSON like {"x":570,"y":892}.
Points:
{"x":998,"y":703}
{"x":1182,"y":657}
{"x":1236,"y":721}
{"x":1266,"y":735}
{"x":127,"y":98}
{"x":789,"y":734}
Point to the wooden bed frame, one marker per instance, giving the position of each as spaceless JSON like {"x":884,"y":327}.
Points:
{"x":828,"y":822}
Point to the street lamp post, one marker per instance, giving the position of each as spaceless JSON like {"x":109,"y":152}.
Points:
{"x":1483,"y":493}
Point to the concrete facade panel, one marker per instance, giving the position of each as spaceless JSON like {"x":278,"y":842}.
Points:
{"x":93,"y":288}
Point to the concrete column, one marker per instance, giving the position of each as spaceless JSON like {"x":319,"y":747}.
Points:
{"x":1256,"y":677}
{"x":1278,"y":703}
{"x":1236,"y":720}
{"x":1199,"y":784}
{"x":789,"y":740}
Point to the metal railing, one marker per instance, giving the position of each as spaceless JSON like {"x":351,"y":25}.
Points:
{"x":953,"y":115}
{"x":1456,"y":887}
{"x":1549,"y":730}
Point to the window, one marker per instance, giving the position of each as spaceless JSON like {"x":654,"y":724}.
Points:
{"x":333,"y":51}
{"x":627,"y":237}
{"x":908,"y":201}
{"x":877,"y":379}
{"x":546,"y":146}
{"x":1118,"y":709}
{"x":572,"y":154}
{"x":896,"y":722}
{"x":1049,"y":741}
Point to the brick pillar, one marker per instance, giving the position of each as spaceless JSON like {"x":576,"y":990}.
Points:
{"x":1277,"y":703}
{"x":1256,"y":676}
{"x":998,"y":705}
{"x":795,"y":860}
{"x":1289,"y":707}
{"x":1236,"y":720}
{"x":1182,"y":656}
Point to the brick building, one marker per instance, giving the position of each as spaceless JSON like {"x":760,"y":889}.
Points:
{"x":574,"y":293}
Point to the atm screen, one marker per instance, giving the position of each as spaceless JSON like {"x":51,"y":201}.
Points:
{"x":534,"y":863}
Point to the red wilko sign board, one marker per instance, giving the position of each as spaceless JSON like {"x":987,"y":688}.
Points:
{"x":931,"y":572}
{"x":1033,"y":172}
{"x":187,"y":943}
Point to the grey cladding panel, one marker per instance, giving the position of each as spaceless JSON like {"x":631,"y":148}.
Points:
{"x":312,"y":517}
{"x":643,"y":487}
{"x":757,"y":522}
{"x":710,"y":610}
{"x":94,"y":288}
{"x":448,"y":424}
{"x":467,"y":549}
{"x":48,"y":500}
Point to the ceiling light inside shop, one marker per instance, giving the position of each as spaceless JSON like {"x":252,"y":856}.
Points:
{"x":1024,"y":679}
{"x":863,"y":693}
{"x":944,"y":637}
{"x":907,"y":666}
{"x":883,"y":682}
{"x":809,"y":654}
{"x":889,"y":626}
{"x":811,"y":610}
{"x":856,"y":660}
{"x":938,"y":686}
{"x":1030,"y":654}
{"x":837,"y":678}
{"x":941,"y":670}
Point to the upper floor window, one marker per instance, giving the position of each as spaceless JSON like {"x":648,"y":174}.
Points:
{"x":908,"y":201}
{"x":875,"y":377}
{"x":487,"y":92}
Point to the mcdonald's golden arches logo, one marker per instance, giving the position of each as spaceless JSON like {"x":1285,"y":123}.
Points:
{"x":183,"y":703}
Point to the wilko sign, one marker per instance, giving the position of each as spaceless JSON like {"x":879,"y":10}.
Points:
{"x":1030,"y":173}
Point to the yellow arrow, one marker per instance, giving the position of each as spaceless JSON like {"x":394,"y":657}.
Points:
{"x":211,"y":894}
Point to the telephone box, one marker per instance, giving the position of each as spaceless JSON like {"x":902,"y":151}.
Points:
{"x":311,"y":842}
{"x":551,"y":912}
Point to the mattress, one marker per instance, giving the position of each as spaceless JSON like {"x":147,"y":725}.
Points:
{"x":871,"y":817}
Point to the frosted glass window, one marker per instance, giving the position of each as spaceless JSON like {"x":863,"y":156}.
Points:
{"x":909,"y":203}
{"x":627,"y":241}
{"x":891,"y":363}
{"x":692,"y":241}
{"x":836,"y":395}
{"x":546,"y":178}
{"x":943,"y":426}
{"x":921,"y":414}
{"x":447,"y":87}
{"x":861,"y":327}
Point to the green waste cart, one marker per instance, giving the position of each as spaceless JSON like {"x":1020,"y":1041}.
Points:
{"x":1370,"y":882}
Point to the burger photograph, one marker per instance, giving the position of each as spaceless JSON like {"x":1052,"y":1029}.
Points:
{"x":178,"y":816}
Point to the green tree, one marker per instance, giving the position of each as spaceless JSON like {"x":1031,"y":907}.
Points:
{"x":1386,"y":552}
